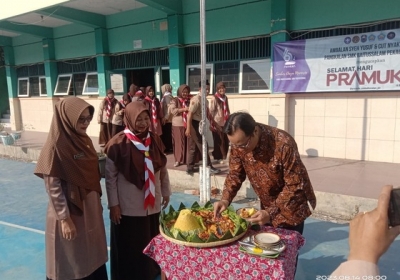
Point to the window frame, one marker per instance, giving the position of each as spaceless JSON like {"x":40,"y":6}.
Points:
{"x":85,"y":84}
{"x":211,"y":80}
{"x":27,"y":87}
{"x":40,"y":86}
{"x":241,"y":91}
{"x":69,"y":85}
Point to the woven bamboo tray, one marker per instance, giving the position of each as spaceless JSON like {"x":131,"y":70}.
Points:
{"x":202,"y":245}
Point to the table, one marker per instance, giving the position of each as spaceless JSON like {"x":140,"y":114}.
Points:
{"x":225,"y":262}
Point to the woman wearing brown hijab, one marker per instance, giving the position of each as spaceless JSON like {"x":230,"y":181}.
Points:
{"x":179,"y":108}
{"x":75,"y":236}
{"x":104,"y":118}
{"x":166,"y":136}
{"x":135,"y":196}
{"x":156,"y":114}
{"x":219,"y":110}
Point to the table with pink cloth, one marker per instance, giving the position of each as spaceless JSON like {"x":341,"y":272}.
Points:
{"x":225,"y":262}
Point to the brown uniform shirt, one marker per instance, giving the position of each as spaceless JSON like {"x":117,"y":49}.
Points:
{"x":277,"y":175}
{"x":195,"y":107}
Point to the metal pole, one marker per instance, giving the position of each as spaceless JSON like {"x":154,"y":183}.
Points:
{"x":203,"y":195}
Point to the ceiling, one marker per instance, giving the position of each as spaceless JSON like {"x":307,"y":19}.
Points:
{"x":49,"y":20}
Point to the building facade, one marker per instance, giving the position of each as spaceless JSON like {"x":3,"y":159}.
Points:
{"x":82,"y":48}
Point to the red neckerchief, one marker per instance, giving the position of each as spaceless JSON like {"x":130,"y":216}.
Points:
{"x":109,"y":106}
{"x":153,"y":110}
{"x":225,"y":105}
{"x":184,"y":114}
{"x":149,"y":185}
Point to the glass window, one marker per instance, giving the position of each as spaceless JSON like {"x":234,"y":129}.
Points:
{"x":193,"y":76}
{"x":78,"y":81}
{"x":228,"y":72}
{"x":63,"y":85}
{"x":34,"y":89}
{"x":23,"y":87}
{"x":42,"y":86}
{"x":91,"y":84}
{"x":255,"y":76}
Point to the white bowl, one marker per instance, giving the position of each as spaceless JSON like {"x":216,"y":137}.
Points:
{"x":267,"y":239}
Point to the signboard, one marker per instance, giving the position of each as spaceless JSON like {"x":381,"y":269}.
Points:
{"x":117,"y":82}
{"x":360,"y":62}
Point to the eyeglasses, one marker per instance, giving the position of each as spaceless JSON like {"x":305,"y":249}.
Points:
{"x":82,"y":120}
{"x":243,"y":146}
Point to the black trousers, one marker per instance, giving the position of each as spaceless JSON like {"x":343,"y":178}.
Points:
{"x":195,"y":141}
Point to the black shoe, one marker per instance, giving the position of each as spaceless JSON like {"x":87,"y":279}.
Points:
{"x":190,"y":172}
{"x":214,"y":170}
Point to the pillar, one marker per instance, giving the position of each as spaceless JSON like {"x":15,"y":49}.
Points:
{"x":177,"y":70}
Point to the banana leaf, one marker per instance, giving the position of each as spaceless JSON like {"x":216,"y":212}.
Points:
{"x":192,"y":236}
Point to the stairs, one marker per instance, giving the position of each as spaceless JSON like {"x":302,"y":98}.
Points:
{"x":5,"y":119}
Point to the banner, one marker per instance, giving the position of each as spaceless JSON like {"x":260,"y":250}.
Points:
{"x":359,"y":62}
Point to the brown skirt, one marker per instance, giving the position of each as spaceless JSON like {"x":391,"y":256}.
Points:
{"x":116,"y":129}
{"x":128,"y":240}
{"x":180,"y":144}
{"x":105,"y":133}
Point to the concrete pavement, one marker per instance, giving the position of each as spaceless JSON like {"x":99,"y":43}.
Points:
{"x":23,"y":204}
{"x":343,"y":187}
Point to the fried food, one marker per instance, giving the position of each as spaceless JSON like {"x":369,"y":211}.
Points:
{"x":246,"y":212}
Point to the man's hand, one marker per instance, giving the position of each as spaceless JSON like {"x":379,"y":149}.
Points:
{"x":261,"y":217}
{"x":115,"y":214}
{"x":68,"y":229}
{"x":370,"y":235}
{"x":219,"y":207}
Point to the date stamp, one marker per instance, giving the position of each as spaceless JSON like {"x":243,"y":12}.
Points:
{"x":344,"y":277}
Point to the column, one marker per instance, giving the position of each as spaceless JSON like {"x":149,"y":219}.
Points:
{"x":279,"y":25}
{"x":103,"y":60}
{"x":50,"y":66}
{"x":177,"y":70}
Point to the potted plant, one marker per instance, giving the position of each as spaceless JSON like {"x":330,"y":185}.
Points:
{"x":6,"y":138}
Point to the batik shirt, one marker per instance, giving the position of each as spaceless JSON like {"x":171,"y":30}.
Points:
{"x":277,"y":175}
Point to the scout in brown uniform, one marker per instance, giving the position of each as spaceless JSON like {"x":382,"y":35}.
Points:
{"x":192,"y":132}
{"x":76,"y":245}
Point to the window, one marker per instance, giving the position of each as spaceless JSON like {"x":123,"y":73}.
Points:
{"x":91,"y":85}
{"x":193,"y":76}
{"x":63,"y":85}
{"x":23,"y":87}
{"x":42,"y":86}
{"x":77,"y":84}
{"x":255,"y":76}
{"x":228,"y":72}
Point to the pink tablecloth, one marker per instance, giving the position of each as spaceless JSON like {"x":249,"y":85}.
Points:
{"x":225,"y":262}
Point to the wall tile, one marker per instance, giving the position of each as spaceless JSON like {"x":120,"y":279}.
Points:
{"x":335,"y":127}
{"x":358,"y":107}
{"x":334,"y":147}
{"x":357,"y":149}
{"x":314,"y":107}
{"x":380,"y":150}
{"x":313,"y":146}
{"x":383,"y":107}
{"x":358,"y":128}
{"x":382,"y":129}
{"x":314,"y":126}
{"x":336,"y":107}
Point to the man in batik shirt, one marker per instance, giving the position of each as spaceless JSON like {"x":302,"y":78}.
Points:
{"x":269,"y":158}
